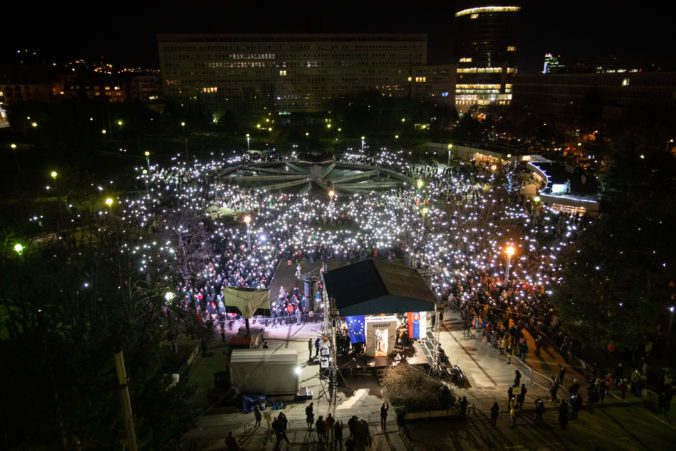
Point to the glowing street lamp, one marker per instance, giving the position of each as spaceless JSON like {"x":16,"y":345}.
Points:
{"x":420,"y":184}
{"x":450,"y":147}
{"x":247,"y":219}
{"x":331,"y":194}
{"x":509,"y":251}
{"x":362,"y":143}
{"x":307,"y":137}
{"x":18,"y":248}
{"x":424,"y":211}
{"x":54,"y":174}
{"x":168,"y":296}
{"x":147,"y":154}
{"x":248,"y":140}
{"x":12,"y":146}
{"x":109,"y":201}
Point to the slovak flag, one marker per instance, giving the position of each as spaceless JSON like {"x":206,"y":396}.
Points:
{"x":417,"y":324}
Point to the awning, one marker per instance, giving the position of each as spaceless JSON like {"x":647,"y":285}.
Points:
{"x":246,"y":300}
{"x":374,"y":287}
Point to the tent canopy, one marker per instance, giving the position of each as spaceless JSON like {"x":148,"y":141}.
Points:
{"x":373,"y":287}
{"x":246,"y":300}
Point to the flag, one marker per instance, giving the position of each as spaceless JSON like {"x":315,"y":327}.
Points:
{"x":417,"y":324}
{"x":355,"y":326}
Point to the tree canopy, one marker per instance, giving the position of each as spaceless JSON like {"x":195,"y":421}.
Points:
{"x":620,"y":274}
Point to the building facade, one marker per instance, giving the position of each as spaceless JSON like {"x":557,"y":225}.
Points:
{"x":612,"y":94}
{"x":296,"y":72}
{"x":486,"y":45}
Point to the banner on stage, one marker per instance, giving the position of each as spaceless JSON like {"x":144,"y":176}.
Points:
{"x":380,"y":335}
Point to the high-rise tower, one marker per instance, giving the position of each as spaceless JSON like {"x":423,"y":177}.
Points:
{"x":486,"y":41}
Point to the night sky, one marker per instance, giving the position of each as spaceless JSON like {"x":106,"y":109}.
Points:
{"x":125,"y":32}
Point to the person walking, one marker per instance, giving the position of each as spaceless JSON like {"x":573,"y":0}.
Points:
{"x":383,"y":415}
{"x":321,"y":430}
{"x":522,"y":396}
{"x":539,"y":410}
{"x":309,"y":416}
{"x":280,"y":433}
{"x":309,"y":348}
{"x":562,"y":373}
{"x":563,"y":414}
{"x":258,"y":416}
{"x":553,"y":388}
{"x":317,"y":347}
{"x":517,"y":378}
{"x":576,"y":405}
{"x":494,"y":413}
{"x":513,"y":410}
{"x":330,"y":421}
{"x":338,"y":435}
{"x":284,"y":421}
{"x":463,"y":408}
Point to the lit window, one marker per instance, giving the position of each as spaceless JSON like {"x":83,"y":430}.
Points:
{"x":511,"y":48}
{"x":625,"y":82}
{"x":282,"y":73}
{"x":465,"y":60}
{"x":474,"y":16}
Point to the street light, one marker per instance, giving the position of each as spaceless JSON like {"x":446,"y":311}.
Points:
{"x":509,"y":251}
{"x":13,"y":146}
{"x":450,"y":146}
{"x":331,"y":194}
{"x":147,"y":154}
{"x":18,"y":248}
{"x":420,"y":184}
{"x":248,"y":139}
{"x":168,"y":296}
{"x":109,"y":201}
{"x":362,"y":143}
{"x":54,"y":174}
{"x":307,"y":137}
{"x":247,"y":219}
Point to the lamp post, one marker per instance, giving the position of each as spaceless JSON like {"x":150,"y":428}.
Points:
{"x":147,"y":154}
{"x":247,"y":219}
{"x":248,"y":142}
{"x":332,"y":193}
{"x":509,"y":251}
{"x":307,"y":138}
{"x":450,"y":146}
{"x":362,"y":143}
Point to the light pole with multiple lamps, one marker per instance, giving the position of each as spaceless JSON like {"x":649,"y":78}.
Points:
{"x":248,"y":142}
{"x":362,"y":143}
{"x":247,"y":219}
{"x":509,"y":251}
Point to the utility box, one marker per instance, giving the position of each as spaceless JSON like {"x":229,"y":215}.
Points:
{"x":265,"y":371}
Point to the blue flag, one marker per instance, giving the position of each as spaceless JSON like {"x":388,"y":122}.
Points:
{"x":355,"y":326}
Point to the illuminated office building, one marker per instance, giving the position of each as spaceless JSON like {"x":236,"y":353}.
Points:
{"x":297,"y":72}
{"x":486,"y":44}
{"x":552,"y":64}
